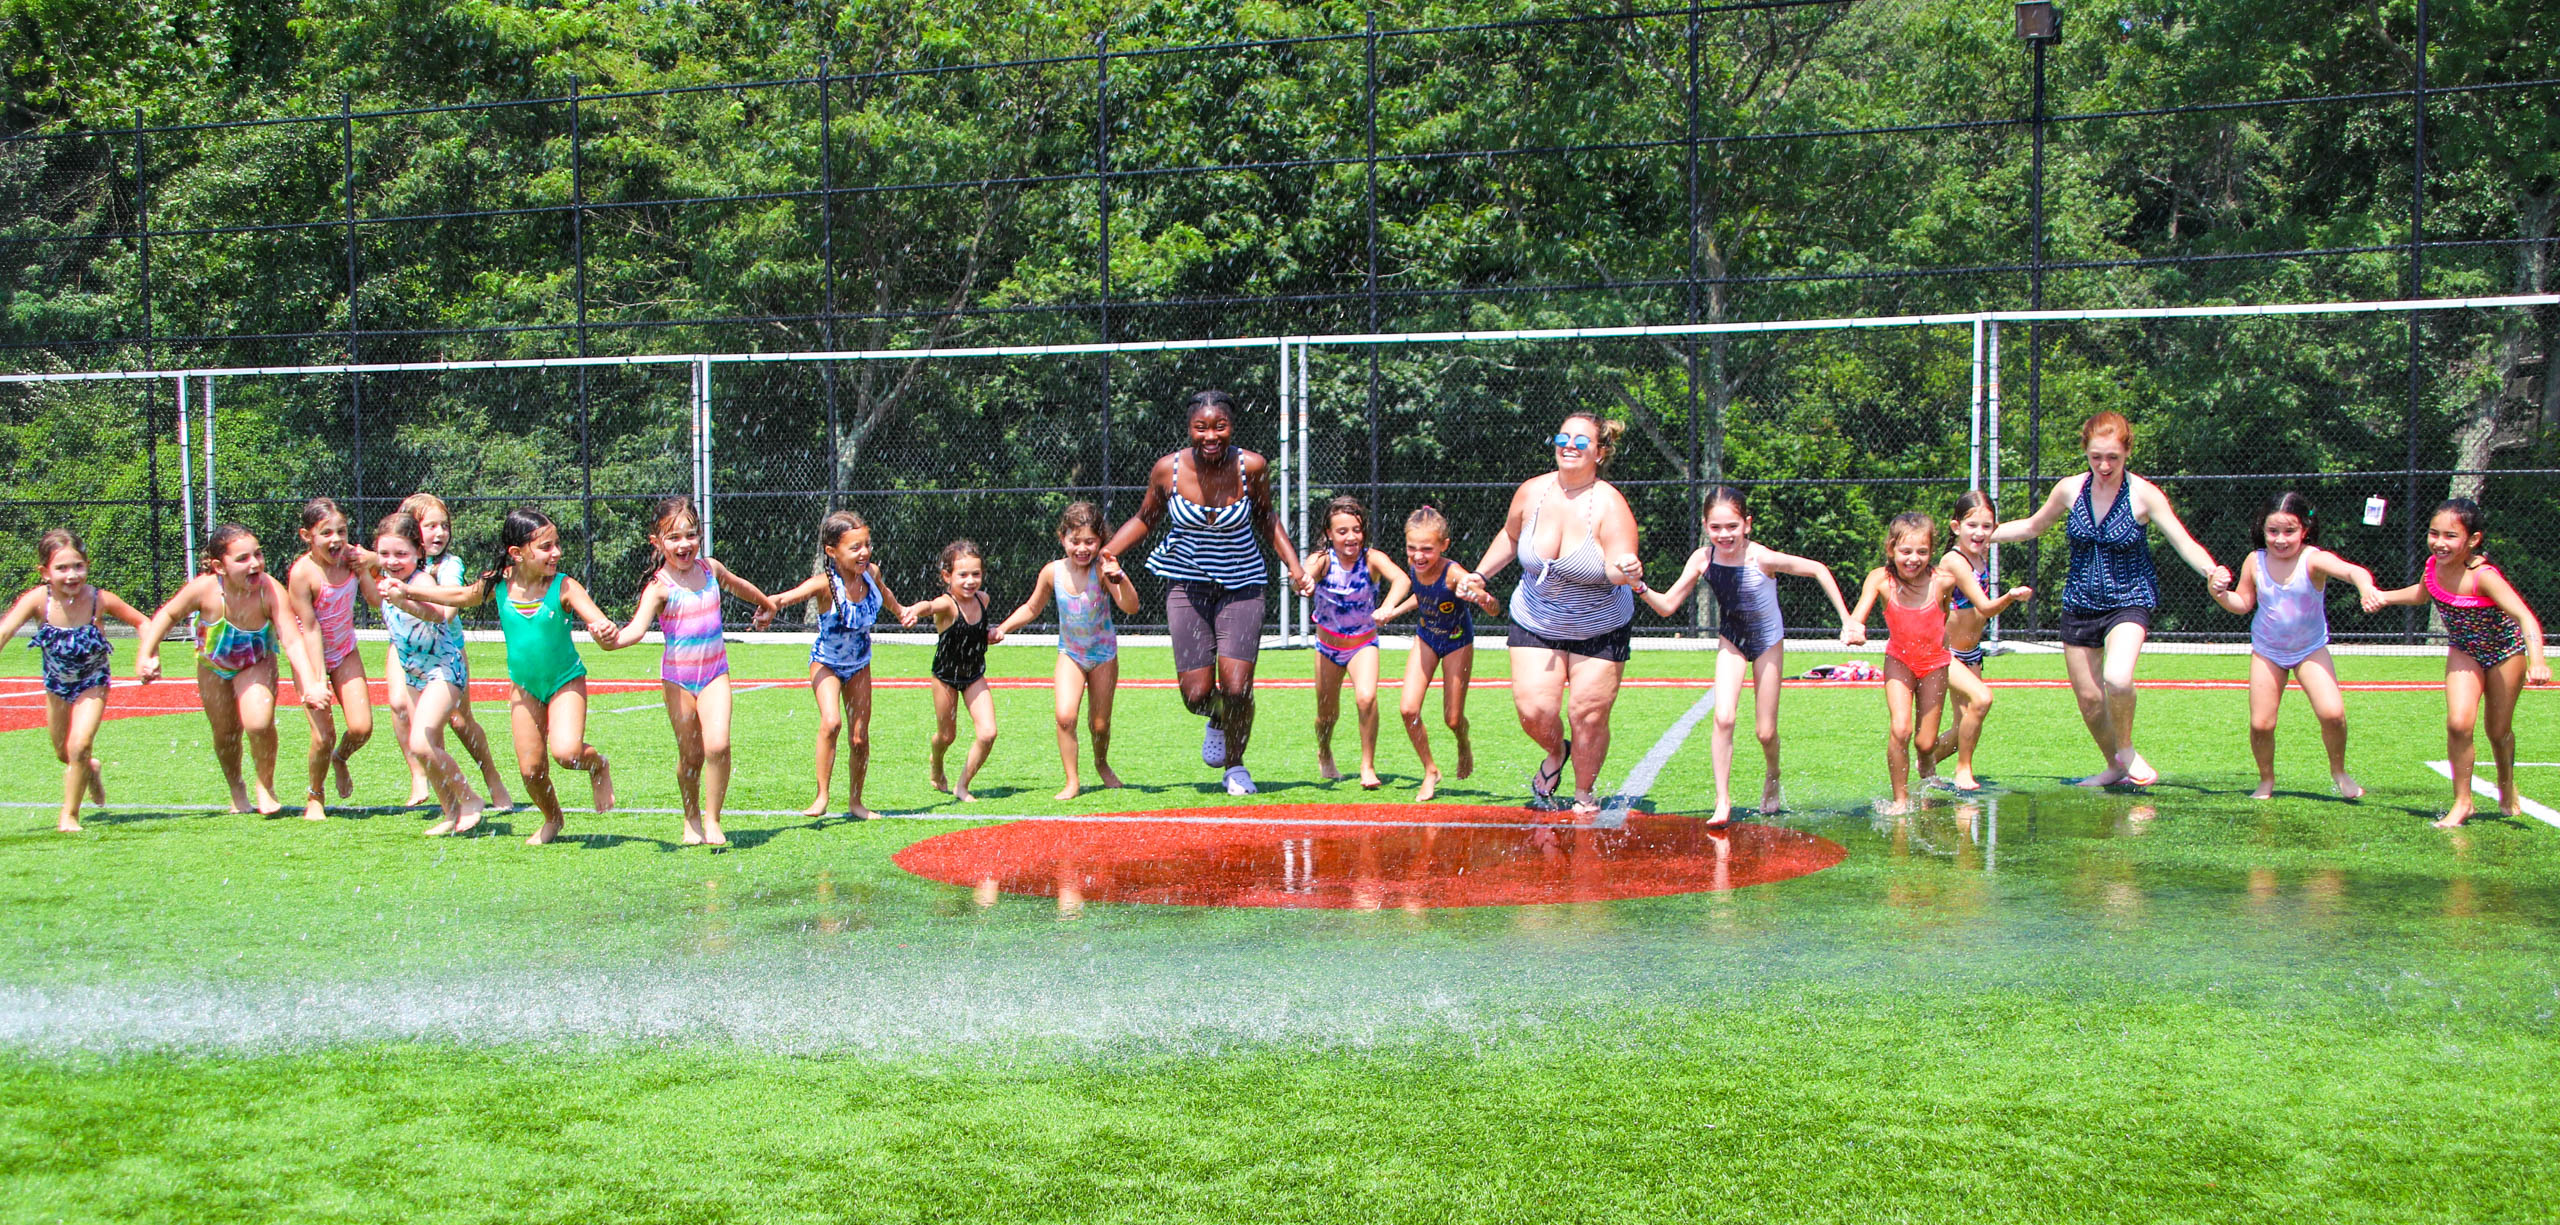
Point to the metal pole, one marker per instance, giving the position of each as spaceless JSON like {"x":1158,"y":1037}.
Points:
{"x":1973,"y":461}
{"x":1287,"y":610}
{"x":1371,"y":193}
{"x":151,"y":427}
{"x":1991,"y":416}
{"x":578,"y":247}
{"x":827,"y":258}
{"x":1306,"y":471}
{"x":186,"y":490}
{"x":1689,"y":351}
{"x":710,"y":485}
{"x":355,"y":382}
{"x":210,"y":521}
{"x":2410,"y":622}
{"x":2035,"y":301}
{"x":1102,"y":192}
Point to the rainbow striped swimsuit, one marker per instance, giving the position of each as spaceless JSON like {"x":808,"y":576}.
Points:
{"x":690,"y":621}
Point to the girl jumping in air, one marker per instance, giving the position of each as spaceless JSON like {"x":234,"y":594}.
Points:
{"x":78,"y":663}
{"x":1087,"y":589}
{"x":848,"y":594}
{"x":1752,"y":634}
{"x":548,"y":702}
{"x":1345,"y":575}
{"x":683,"y":596}
{"x":2493,"y":648}
{"x":439,"y":565}
{"x":1444,"y":630}
{"x":2286,"y":583}
{"x":325,"y":584}
{"x":426,"y":659}
{"x":1918,"y":668}
{"x":960,"y":662}
{"x":237,"y":640}
{"x":1969,"y":555}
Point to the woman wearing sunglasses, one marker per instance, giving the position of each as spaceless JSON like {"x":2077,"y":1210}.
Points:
{"x":1575,"y":539}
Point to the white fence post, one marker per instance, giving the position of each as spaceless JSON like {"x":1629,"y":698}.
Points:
{"x":1991,"y":411}
{"x":186,"y":487}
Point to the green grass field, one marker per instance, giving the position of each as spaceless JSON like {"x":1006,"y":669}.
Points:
{"x":2045,"y":1004}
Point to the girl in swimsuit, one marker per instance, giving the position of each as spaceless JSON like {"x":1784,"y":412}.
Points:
{"x":78,"y":663}
{"x":1918,"y":668}
{"x":238,"y":603}
{"x":847,"y":593}
{"x":325,"y":583}
{"x":1751,"y":635}
{"x":1444,"y":629}
{"x":2493,"y":648}
{"x":2286,"y":583}
{"x":547,"y":701}
{"x":1346,"y":618}
{"x":960,"y":662}
{"x":427,"y":661}
{"x":683,"y":597}
{"x":1087,"y":589}
{"x":437,"y":564}
{"x":1968,"y":562}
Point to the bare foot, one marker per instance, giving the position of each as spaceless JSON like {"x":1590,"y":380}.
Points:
{"x":960,"y":795}
{"x":1369,"y":780}
{"x":313,"y":809}
{"x":693,"y":831}
{"x":498,"y":797}
{"x":97,"y":785}
{"x":551,"y":827}
{"x":1894,"y":808}
{"x":859,"y":813}
{"x":1325,"y":768}
{"x":1430,"y":785}
{"x":2456,"y":815}
{"x":2105,"y":778}
{"x":467,"y":817}
{"x":240,"y":799}
{"x":1965,"y":781}
{"x":268,"y":805}
{"x":2346,"y":785}
{"x":1772,"y":800}
{"x":338,"y":773}
{"x":1466,"y":758}
{"x":2266,"y":790}
{"x":1724,"y":814}
{"x":817,"y":807}
{"x":420,"y":790}
{"x":600,"y":780}
{"x":1109,"y":779}
{"x":939,"y":782}
{"x":440,"y":828}
{"x":1069,"y":792}
{"x":712,"y":834}
{"x":2139,"y":772}
{"x":2511,"y":806}
{"x":68,"y":824}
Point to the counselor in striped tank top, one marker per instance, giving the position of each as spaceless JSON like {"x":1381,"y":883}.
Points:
{"x":1575,"y":539}
{"x":2111,"y":587}
{"x":1214,"y":500}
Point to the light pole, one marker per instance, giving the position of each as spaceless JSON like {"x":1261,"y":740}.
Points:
{"x":2040,"y":24}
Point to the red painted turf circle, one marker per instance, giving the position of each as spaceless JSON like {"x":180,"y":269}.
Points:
{"x":1329,"y":856}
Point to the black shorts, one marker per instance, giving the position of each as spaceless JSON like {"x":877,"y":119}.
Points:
{"x":1611,"y":645}
{"x":2081,"y":627}
{"x":1210,"y":622}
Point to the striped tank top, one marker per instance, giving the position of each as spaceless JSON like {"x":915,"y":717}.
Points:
{"x":1568,"y":597}
{"x":2110,"y":558}
{"x":1209,"y":544}
{"x":690,"y":621}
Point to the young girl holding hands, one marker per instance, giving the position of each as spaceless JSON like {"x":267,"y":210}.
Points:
{"x":683,"y":596}
{"x":1752,"y":634}
{"x":1087,"y":590}
{"x":439,"y":565}
{"x":426,"y":661}
{"x":960,"y":662}
{"x":848,"y":594}
{"x":548,"y":702}
{"x":2286,"y":583}
{"x":1918,"y":667}
{"x":324,"y":584}
{"x":1444,"y":629}
{"x":1969,"y":556}
{"x":237,"y":641}
{"x":1346,"y":618}
{"x":2493,"y":649}
{"x":78,"y":663}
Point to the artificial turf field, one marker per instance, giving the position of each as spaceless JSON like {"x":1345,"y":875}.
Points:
{"x":2045,"y":1004}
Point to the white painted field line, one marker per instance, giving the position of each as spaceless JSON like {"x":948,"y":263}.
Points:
{"x":1613,"y":812}
{"x":661,"y":704}
{"x":2489,"y":787}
